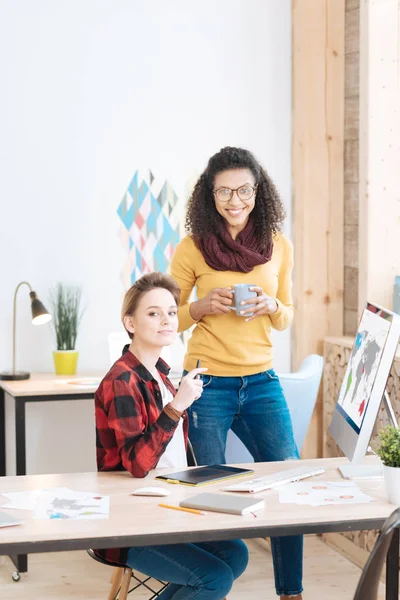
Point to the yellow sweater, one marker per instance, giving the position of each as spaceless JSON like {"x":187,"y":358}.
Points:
{"x":225,"y":343}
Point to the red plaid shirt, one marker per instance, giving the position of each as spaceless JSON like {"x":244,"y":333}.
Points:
{"x":132,"y":429}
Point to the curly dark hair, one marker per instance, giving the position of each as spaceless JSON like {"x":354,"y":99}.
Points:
{"x":202,"y":217}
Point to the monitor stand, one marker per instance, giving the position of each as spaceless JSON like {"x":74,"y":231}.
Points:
{"x":374,"y":471}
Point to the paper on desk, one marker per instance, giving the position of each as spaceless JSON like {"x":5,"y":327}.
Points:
{"x":26,"y":500}
{"x":21,"y":500}
{"x":83,"y":382}
{"x":71,"y":505}
{"x":322,"y":493}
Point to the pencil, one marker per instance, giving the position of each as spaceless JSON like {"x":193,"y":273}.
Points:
{"x":190,"y":510}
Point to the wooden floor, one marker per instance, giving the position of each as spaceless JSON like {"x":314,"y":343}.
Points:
{"x":74,"y":575}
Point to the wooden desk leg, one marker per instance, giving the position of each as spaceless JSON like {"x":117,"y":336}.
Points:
{"x":392,"y":568}
{"x":2,"y":434}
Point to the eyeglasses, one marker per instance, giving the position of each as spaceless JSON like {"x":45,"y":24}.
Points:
{"x":245,"y":193}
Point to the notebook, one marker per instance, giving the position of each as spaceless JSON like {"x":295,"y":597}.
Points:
{"x":7,"y":521}
{"x":235,"y":505}
{"x":203,"y":475}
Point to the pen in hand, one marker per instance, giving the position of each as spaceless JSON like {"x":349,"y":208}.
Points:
{"x":198,"y":365}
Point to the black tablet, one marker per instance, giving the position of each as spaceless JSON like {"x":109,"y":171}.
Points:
{"x":204,"y":475}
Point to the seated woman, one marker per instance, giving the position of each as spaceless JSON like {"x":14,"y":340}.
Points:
{"x":141,"y":424}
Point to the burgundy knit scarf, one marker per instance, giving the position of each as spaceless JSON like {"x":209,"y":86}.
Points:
{"x":222,"y":253}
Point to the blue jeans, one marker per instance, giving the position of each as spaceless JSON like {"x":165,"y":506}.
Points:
{"x":203,"y":571}
{"x":255,"y":408}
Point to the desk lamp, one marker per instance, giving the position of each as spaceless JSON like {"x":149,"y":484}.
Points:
{"x":39,"y":316}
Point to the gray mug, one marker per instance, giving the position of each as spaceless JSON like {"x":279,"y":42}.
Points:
{"x":242,"y":292}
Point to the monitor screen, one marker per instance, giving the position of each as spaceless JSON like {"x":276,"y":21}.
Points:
{"x":363,"y":365}
{"x":365,"y":379}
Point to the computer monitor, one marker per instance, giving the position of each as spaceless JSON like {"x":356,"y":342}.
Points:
{"x":364,"y":383}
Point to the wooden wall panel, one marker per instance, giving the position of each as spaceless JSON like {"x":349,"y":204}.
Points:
{"x":352,"y":74}
{"x":351,"y":4}
{"x":352,"y":118}
{"x":317,"y":153}
{"x":351,"y":206}
{"x":379,"y":247}
{"x":351,"y":165}
{"x":351,"y":248}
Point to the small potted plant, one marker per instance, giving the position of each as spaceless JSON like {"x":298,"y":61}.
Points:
{"x":65,"y":303}
{"x":389,"y":453}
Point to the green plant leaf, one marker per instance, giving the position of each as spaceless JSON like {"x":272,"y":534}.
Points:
{"x":389,"y":446}
{"x":65,"y":302}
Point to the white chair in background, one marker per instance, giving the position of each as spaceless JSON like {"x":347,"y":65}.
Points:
{"x":116,"y":341}
{"x":301,"y":390}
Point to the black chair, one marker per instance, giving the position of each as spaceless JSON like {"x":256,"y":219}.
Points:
{"x":367,"y":588}
{"x":123,"y":578}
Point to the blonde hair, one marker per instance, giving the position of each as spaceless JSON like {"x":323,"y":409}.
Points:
{"x":143,"y":285}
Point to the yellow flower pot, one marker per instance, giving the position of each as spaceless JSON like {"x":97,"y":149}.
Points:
{"x":65,"y":361}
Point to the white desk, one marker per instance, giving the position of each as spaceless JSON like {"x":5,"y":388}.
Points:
{"x":41,"y":387}
{"x":140,"y":521}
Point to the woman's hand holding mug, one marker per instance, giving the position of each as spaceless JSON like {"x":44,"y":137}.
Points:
{"x":217,"y":302}
{"x":262,"y":304}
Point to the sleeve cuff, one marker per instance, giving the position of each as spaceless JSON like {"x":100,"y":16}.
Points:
{"x":280,"y":308}
{"x":283,"y":317}
{"x":172,"y":412}
{"x":166,"y":422}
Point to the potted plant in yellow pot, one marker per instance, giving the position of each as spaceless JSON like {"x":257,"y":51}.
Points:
{"x":65,"y":303}
{"x":389,"y":453}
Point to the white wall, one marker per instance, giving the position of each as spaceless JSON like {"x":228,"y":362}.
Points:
{"x":379,"y":152}
{"x":92,"y":90}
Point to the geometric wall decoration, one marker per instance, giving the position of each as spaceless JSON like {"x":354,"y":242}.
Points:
{"x":151,"y":216}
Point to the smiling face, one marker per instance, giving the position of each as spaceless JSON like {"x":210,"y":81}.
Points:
{"x":235,"y":211}
{"x":155,"y":321}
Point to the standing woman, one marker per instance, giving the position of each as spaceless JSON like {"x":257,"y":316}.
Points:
{"x":234,"y":219}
